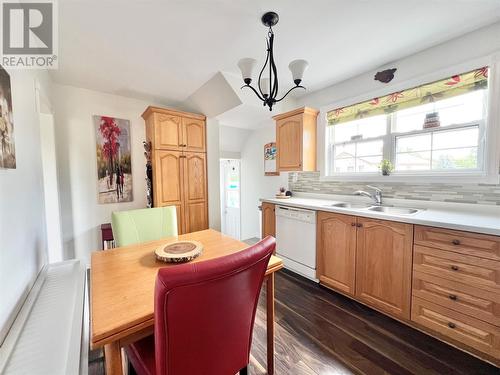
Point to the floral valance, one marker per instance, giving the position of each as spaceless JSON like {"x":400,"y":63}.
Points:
{"x":428,"y":93}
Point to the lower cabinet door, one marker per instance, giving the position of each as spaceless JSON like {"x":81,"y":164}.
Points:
{"x":384,"y":265}
{"x":336,"y":250}
{"x":195,"y":192}
{"x":268,"y":220}
{"x":195,"y":216}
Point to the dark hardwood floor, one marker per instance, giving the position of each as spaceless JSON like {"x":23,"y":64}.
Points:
{"x":321,"y":332}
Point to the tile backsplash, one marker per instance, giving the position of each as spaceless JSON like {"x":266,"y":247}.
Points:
{"x":309,"y":182}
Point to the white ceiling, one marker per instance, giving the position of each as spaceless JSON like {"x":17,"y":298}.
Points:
{"x":164,"y":50}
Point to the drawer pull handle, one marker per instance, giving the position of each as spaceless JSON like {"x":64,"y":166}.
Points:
{"x":452,"y":325}
{"x":455,"y":242}
{"x":353,"y":224}
{"x":453,"y":297}
{"x":359,"y":225}
{"x":454,"y":268}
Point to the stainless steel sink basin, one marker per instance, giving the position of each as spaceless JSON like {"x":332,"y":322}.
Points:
{"x":349,"y":205}
{"x":394,"y":210}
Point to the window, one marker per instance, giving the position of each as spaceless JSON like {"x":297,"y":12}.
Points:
{"x":437,"y":128}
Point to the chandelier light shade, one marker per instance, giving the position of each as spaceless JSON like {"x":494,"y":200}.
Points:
{"x":298,"y":67}
{"x":267,"y":86}
{"x":247,"y":66}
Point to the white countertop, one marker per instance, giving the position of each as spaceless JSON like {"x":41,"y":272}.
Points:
{"x":466,"y":217}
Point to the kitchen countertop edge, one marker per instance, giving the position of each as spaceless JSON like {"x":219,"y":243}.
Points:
{"x":429,"y":217}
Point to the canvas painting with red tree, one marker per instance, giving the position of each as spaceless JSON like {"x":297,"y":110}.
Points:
{"x":114,"y":169}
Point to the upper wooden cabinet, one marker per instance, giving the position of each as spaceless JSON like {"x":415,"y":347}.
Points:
{"x":168,"y":129}
{"x":179,"y":165}
{"x":384,"y":265}
{"x":193,"y":134}
{"x":336,"y":251}
{"x":268,"y":220}
{"x":296,"y":140}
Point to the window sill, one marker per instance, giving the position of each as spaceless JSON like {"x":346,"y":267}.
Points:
{"x":469,"y":178}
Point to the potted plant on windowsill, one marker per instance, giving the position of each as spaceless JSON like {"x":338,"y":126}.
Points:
{"x":386,"y":167}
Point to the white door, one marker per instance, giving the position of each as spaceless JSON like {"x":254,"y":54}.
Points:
{"x":51,"y":188}
{"x":230,"y":202}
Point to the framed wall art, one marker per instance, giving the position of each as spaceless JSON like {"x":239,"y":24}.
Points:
{"x":114,"y":164}
{"x":7,"y":146}
{"x":270,"y":165}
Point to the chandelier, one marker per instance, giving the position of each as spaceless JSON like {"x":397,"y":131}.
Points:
{"x":268,"y":87}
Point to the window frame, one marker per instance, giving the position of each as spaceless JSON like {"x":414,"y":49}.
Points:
{"x":489,"y":130}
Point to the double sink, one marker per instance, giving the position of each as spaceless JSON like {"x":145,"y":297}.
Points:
{"x":391,"y":210}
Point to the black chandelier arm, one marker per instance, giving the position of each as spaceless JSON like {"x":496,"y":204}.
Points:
{"x":273,"y":90}
{"x":288,"y":92}
{"x":263,"y":67}
{"x":255,"y":91}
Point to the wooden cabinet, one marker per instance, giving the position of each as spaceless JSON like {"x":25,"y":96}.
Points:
{"x":268,"y":220}
{"x":368,"y":259}
{"x":444,"y":282}
{"x":336,"y":251}
{"x":296,"y":140}
{"x":179,"y":165}
{"x":175,"y":130}
{"x":384,"y":265}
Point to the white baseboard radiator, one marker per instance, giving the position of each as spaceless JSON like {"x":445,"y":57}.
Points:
{"x":50,"y":333}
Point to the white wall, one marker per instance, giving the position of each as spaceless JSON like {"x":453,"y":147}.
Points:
{"x":430,"y":62}
{"x":232,"y":139}
{"x":81,"y":215}
{"x":254,"y":184}
{"x":213,"y":171}
{"x":22,"y":218}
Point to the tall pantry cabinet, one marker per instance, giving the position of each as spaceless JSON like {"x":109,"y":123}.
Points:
{"x":179,"y":162}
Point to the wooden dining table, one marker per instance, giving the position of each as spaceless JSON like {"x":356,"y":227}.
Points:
{"x":122,"y":284}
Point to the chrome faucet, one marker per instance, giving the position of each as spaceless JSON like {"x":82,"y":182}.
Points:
{"x":376,"y":196}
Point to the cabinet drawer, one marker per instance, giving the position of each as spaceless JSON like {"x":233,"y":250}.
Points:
{"x":463,"y":298}
{"x":481,"y":245}
{"x":473,"y":271}
{"x":465,"y":329}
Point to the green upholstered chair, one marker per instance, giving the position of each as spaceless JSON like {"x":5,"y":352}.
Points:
{"x":147,"y":224}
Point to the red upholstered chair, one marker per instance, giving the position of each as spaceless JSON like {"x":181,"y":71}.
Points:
{"x":204,"y":316}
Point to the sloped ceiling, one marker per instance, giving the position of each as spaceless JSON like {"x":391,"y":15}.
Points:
{"x":166,"y":50}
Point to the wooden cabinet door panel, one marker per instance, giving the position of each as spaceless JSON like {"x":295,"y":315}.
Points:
{"x":195,"y":176}
{"x":195,"y":192}
{"x":336,"y":250}
{"x":168,"y":134}
{"x":480,"y":245}
{"x":464,"y":298}
{"x":465,"y":329}
{"x":193,"y":135}
{"x":268,"y":220}
{"x":384,"y":265}
{"x":167,"y":179}
{"x":479,"y":272}
{"x":196,"y":216}
{"x":289,"y":143}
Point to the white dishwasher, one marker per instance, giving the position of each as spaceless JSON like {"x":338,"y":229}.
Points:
{"x":296,"y":239}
